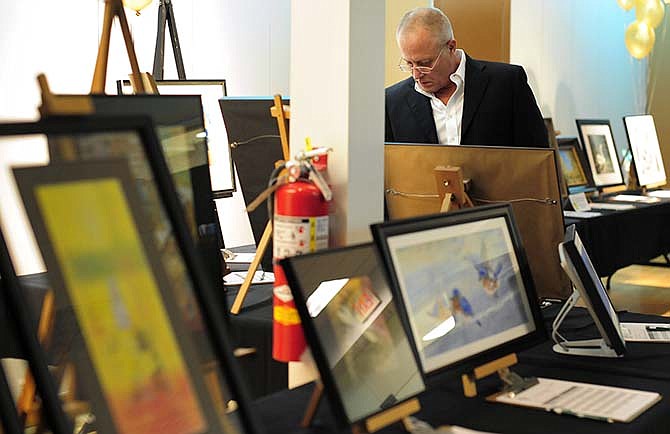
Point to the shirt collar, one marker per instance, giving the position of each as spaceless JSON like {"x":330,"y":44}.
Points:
{"x":457,"y":77}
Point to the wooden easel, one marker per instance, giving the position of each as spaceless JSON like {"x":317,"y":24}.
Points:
{"x":451,"y":188}
{"x":114,"y":8}
{"x":513,"y":382}
{"x":283,"y":114}
{"x":397,"y":413}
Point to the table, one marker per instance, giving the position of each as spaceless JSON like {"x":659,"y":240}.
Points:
{"x":618,"y":239}
{"x":281,"y":412}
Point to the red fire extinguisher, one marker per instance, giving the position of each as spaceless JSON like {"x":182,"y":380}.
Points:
{"x":300,"y":225}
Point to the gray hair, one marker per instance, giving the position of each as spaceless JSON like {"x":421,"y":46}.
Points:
{"x":431,"y":19}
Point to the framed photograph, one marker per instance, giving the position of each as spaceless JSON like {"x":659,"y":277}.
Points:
{"x":176,"y":277}
{"x":572,"y":165}
{"x":465,"y":285}
{"x":210,"y":91}
{"x":643,"y":141}
{"x":351,"y":322}
{"x":601,"y":153}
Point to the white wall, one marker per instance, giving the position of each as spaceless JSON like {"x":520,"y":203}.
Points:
{"x":247,"y":43}
{"x":577,"y":64}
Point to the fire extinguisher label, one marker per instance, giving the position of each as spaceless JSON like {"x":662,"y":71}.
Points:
{"x":298,"y":235}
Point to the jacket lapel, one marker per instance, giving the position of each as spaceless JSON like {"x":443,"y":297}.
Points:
{"x":476,"y":80}
{"x":423,"y":113}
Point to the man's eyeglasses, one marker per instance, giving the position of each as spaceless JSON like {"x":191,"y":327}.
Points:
{"x":405,"y":66}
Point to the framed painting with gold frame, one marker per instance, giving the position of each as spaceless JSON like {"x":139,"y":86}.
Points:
{"x":572,"y":165}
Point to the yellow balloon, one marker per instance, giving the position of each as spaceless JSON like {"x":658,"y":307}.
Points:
{"x":136,"y":5}
{"x":639,"y":39}
{"x":627,"y":5}
{"x":650,"y":11}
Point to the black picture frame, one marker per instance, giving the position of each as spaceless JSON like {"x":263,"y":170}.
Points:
{"x":23,"y":330}
{"x":212,"y":319}
{"x":212,"y":118}
{"x":304,"y":274}
{"x":29,"y":180}
{"x":572,"y":159}
{"x":645,"y":150}
{"x":385,"y":232}
{"x":179,"y":121}
{"x":598,"y":144}
{"x":577,"y":264}
{"x":255,"y":146}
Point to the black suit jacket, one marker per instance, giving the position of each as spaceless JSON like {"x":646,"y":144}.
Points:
{"x":498,"y":109}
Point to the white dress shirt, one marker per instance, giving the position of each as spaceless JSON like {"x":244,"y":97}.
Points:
{"x":448,"y":117}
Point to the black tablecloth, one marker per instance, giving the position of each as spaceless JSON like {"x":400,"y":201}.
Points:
{"x":642,"y":359}
{"x":618,"y":239}
{"x":644,"y":369}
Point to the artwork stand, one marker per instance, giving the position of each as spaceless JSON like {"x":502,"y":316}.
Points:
{"x":397,"y":413}
{"x":451,"y":187}
{"x":114,"y":8}
{"x":513,"y":381}
{"x":166,"y":16}
{"x":283,"y":114}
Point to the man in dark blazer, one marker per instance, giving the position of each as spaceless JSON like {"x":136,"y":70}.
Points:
{"x":452,"y":98}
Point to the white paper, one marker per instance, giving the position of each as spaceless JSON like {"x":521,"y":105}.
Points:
{"x":581,"y":214}
{"x":635,"y":198}
{"x":645,"y":332}
{"x":459,"y":430}
{"x":237,"y":277}
{"x":579,"y":202}
{"x":664,"y":194}
{"x":613,"y":206}
{"x":241,"y":258}
{"x":592,"y":401}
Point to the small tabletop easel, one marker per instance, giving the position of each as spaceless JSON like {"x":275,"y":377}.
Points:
{"x":451,"y":187}
{"x":397,"y":413}
{"x":166,"y":16}
{"x":114,"y":8}
{"x":513,"y":381}
{"x":283,"y":114}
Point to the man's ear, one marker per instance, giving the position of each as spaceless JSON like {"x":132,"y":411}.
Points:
{"x":452,"y":44}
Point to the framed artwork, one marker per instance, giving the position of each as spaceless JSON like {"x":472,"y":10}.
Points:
{"x":643,"y":141}
{"x":572,"y":165}
{"x":360,"y":346}
{"x":601,"y":153}
{"x":19,"y":328}
{"x":553,"y":143}
{"x":181,"y":132}
{"x":176,"y":278}
{"x":210,"y":91}
{"x":465,"y":285}
{"x":255,"y":146}
{"x":497,"y":174}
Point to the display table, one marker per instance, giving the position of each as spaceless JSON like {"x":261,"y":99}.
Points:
{"x":618,"y":239}
{"x":642,"y":360}
{"x":645,"y":369}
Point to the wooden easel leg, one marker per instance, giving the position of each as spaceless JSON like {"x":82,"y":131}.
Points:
{"x":130,"y":48}
{"x":446,"y":203}
{"x":281,"y":124}
{"x":244,"y":288}
{"x":100,"y":73}
{"x":312,"y":406}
